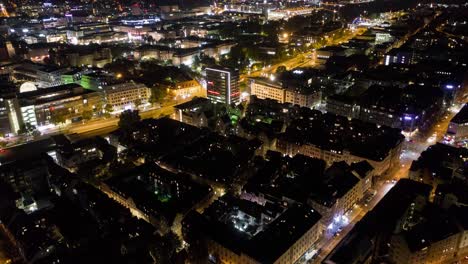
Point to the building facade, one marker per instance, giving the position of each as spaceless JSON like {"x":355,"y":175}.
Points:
{"x":127,"y":95}
{"x":265,"y":89}
{"x":223,"y":85}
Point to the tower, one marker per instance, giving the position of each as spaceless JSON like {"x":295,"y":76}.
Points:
{"x":223,"y":85}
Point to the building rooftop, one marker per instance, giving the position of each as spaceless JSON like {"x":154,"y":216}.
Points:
{"x":46,"y":95}
{"x":158,"y":192}
{"x":253,"y":230}
{"x":196,"y":102}
{"x":436,"y":226}
{"x":331,"y":132}
{"x":462,"y":116}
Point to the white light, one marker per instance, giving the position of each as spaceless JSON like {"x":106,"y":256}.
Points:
{"x":344,"y":220}
{"x":298,"y":71}
{"x":336,"y":219}
{"x":330,"y":226}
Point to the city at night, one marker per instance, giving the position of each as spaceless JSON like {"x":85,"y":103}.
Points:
{"x":234,"y":131}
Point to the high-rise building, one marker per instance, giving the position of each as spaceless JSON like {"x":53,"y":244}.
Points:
{"x":222,"y":85}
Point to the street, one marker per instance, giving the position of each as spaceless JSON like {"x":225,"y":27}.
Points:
{"x":305,"y":59}
{"x":412,"y":149}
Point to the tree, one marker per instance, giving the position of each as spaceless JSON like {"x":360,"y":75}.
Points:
{"x":128,"y":119}
{"x":108,"y":110}
{"x":158,"y":94}
{"x":87,"y":114}
{"x":281,"y":69}
{"x":26,"y":128}
{"x":137,"y":102}
{"x":123,"y":68}
{"x":58,"y":117}
{"x":98,"y":107}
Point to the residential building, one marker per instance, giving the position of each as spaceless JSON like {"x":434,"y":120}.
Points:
{"x":186,"y":89}
{"x":194,"y":112}
{"x":333,"y":138}
{"x":264,"y":88}
{"x":458,"y":126}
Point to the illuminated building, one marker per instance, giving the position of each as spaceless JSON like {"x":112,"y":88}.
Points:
{"x":78,"y":32}
{"x":458,"y":126}
{"x":344,"y":186}
{"x":241,"y":231}
{"x":223,"y":85}
{"x":42,"y":75}
{"x":266,"y":89}
{"x":186,"y":89}
{"x":84,"y":56}
{"x":126,"y":95}
{"x":38,"y":107}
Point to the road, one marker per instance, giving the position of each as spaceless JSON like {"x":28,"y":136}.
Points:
{"x":87,"y":129}
{"x":305,"y":58}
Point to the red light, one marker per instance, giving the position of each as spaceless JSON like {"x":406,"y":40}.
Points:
{"x":235,"y":94}
{"x":210,"y":83}
{"x":213,"y":92}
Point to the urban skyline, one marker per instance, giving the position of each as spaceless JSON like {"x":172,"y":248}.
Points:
{"x":193,"y":131}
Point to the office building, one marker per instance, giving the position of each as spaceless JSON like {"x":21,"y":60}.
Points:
{"x":223,"y":85}
{"x":127,"y":95}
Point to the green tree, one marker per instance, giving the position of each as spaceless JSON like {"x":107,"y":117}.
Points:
{"x":87,"y":114}
{"x":122,"y":68}
{"x":108,"y":110}
{"x":26,"y":129}
{"x":281,"y":69}
{"x":98,"y":107}
{"x":128,"y":119}
{"x":137,"y":102}
{"x":158,"y":94}
{"x":58,"y":117}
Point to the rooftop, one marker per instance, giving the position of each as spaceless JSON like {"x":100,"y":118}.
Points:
{"x":264,"y":238}
{"x":331,"y":132}
{"x":462,"y":116}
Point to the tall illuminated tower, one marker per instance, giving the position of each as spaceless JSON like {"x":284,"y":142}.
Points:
{"x":222,"y":85}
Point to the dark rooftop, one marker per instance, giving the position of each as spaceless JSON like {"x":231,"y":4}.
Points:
{"x":462,"y":116}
